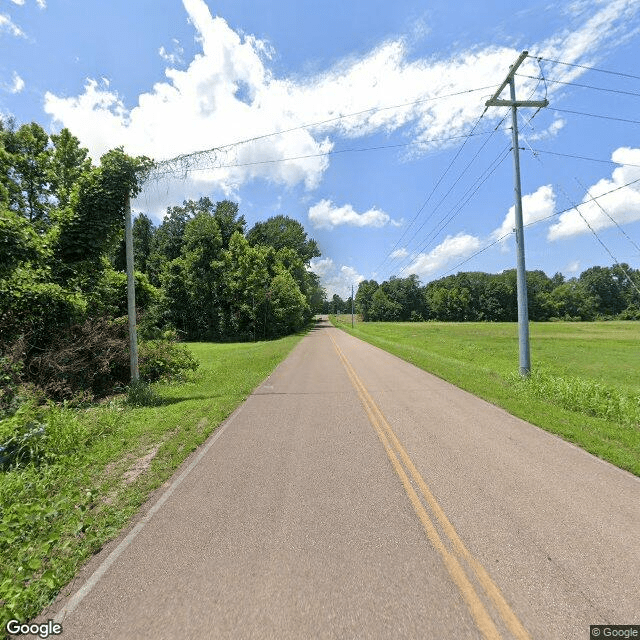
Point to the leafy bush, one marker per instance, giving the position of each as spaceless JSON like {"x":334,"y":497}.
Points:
{"x":31,"y":305}
{"x":11,"y":368}
{"x":165,"y":360}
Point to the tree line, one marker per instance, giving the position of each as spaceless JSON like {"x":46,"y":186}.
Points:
{"x":200,"y":274}
{"x":598,"y":293}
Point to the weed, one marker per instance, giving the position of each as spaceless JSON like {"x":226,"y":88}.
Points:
{"x":140,"y":394}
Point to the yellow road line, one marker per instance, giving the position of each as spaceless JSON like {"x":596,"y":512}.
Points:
{"x":386,"y":433}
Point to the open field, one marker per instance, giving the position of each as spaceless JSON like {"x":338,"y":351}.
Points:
{"x":585,"y":383}
{"x":55,"y":514}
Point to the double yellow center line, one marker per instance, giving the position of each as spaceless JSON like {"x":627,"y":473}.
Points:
{"x":451,"y":556}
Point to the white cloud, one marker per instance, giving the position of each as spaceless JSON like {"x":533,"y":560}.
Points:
{"x":573,"y":267}
{"x":607,"y":27}
{"x":8,"y":26}
{"x":550,"y":132}
{"x":451,"y":248}
{"x":399,"y":253}
{"x":228,"y":93}
{"x":42,"y":4}
{"x":336,"y":279}
{"x":535,"y":206}
{"x":18,"y":84}
{"x":623,"y":205}
{"x":325,"y":215}
{"x":18,"y":2}
{"x":175,"y":57}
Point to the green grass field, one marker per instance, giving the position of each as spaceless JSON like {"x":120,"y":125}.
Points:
{"x":585,"y":382}
{"x":104,"y":463}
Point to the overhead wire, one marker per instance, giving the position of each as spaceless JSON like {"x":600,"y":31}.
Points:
{"x":459,"y":206}
{"x":332,"y":152}
{"x":182,"y":157}
{"x":452,"y":187}
{"x":424,"y":204}
{"x":593,"y":231}
{"x":595,"y":115}
{"x":531,"y":224}
{"x":471,"y":191}
{"x":589,"y":68}
{"x":582,"y":86}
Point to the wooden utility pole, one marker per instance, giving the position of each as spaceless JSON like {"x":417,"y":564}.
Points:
{"x":131,"y":292}
{"x":523,"y":310}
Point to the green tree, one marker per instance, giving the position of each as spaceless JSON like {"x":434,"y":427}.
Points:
{"x":290,"y":308}
{"x":68,"y":162}
{"x":364,"y":297}
{"x":31,"y":168}
{"x":283,"y":232}
{"x":383,"y":308}
{"x":98,"y":207}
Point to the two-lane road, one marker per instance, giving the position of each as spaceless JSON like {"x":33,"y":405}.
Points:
{"x":355,"y":496}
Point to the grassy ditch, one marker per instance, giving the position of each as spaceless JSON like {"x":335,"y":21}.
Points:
{"x":96,"y":466}
{"x":585,"y":382}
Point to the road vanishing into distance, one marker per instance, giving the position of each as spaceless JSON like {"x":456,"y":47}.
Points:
{"x":355,"y":496}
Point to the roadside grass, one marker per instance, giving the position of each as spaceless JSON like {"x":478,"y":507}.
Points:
{"x":585,"y":382}
{"x":93,"y":468}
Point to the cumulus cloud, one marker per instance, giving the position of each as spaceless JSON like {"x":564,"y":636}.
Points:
{"x":623,"y":205}
{"x":326,"y":215}
{"x":17,"y":85}
{"x":399,"y":253}
{"x":175,"y":57}
{"x":336,"y":279}
{"x":8,"y":26}
{"x":229,"y":93}
{"x":450,"y":249}
{"x":550,"y":132}
{"x":535,"y":206}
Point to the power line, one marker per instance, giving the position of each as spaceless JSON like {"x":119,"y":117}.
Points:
{"x":326,"y":153}
{"x":606,"y":213}
{"x":181,"y":157}
{"x":424,"y":204}
{"x":594,"y":115}
{"x":584,"y":66}
{"x":462,"y":202}
{"x":531,"y":224}
{"x":577,"y":157}
{"x":582,"y":86}
{"x":451,"y":189}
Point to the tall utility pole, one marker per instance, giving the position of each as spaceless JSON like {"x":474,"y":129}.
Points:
{"x":131,"y":292}
{"x":523,"y":310}
{"x":352,"y":305}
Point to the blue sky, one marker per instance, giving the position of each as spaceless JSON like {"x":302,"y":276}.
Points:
{"x":391,"y":182}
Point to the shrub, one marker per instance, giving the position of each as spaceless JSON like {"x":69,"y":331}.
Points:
{"x":165,"y":360}
{"x":85,"y":362}
{"x":11,"y":368}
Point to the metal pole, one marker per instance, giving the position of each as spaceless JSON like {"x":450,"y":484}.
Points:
{"x":131,"y":292}
{"x":352,"y":303}
{"x":523,"y":308}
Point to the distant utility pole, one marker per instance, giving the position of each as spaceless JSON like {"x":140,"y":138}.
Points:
{"x":523,"y":311}
{"x":131,"y":292}
{"x":352,"y":305}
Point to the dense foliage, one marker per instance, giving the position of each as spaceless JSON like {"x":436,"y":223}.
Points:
{"x":598,"y":293}
{"x":199,"y":275}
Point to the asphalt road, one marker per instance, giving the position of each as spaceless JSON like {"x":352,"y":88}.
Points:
{"x":355,"y":496}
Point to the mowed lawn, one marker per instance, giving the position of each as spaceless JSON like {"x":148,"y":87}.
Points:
{"x":585,"y":382}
